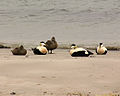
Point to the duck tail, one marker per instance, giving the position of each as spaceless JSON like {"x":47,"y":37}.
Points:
{"x":91,"y":53}
{"x":32,"y":48}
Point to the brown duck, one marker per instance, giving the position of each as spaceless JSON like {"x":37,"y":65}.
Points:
{"x":19,"y":51}
{"x":51,"y":44}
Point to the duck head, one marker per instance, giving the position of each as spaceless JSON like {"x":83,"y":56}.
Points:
{"x":73,"y":46}
{"x":100,"y":44}
{"x":53,"y":38}
{"x":42,"y":43}
{"x":21,"y":47}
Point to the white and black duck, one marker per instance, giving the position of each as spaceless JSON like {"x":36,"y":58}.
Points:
{"x":101,"y":50}
{"x":79,"y":52}
{"x":40,"y":50}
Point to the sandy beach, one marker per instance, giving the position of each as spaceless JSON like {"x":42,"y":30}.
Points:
{"x":59,"y":74}
{"x":85,"y":23}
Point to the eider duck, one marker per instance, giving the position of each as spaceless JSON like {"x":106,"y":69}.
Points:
{"x":79,"y":52}
{"x":40,"y":50}
{"x":19,"y":51}
{"x":101,"y":50}
{"x":51,"y":44}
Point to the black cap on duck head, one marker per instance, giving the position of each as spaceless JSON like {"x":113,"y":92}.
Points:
{"x":101,"y":43}
{"x":73,"y":45}
{"x":42,"y":42}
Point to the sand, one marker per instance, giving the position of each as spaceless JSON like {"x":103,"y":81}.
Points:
{"x":59,"y":74}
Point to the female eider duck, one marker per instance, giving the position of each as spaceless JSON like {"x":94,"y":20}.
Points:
{"x":101,"y":50}
{"x":51,"y":44}
{"x":19,"y":51}
{"x":79,"y":52}
{"x":40,"y":50}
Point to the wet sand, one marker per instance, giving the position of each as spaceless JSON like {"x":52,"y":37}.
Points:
{"x":58,"y":74}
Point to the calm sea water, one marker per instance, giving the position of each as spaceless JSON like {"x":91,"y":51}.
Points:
{"x":70,"y":21}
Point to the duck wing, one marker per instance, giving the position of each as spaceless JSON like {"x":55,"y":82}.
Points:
{"x":49,"y":44}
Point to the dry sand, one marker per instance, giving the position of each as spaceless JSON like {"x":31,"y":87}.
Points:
{"x":58,"y":74}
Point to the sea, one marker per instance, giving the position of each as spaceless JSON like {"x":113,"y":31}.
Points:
{"x":83,"y":22}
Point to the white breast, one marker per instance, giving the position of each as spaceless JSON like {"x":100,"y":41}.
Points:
{"x":101,"y":50}
{"x":77,"y":50}
{"x":42,"y":49}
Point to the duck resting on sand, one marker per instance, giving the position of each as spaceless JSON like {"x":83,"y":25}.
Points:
{"x":101,"y":50}
{"x":51,"y":44}
{"x":79,"y":52}
{"x":19,"y":51}
{"x":40,"y":50}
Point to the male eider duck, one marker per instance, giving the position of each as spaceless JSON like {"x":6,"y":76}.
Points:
{"x":19,"y":51}
{"x":40,"y":50}
{"x":51,"y":44}
{"x":101,"y":50}
{"x":79,"y":52}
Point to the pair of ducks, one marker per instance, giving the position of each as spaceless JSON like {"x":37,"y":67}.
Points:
{"x":43,"y":49}
{"x":76,"y":52}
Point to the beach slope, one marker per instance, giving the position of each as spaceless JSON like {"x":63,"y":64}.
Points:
{"x":58,"y":74}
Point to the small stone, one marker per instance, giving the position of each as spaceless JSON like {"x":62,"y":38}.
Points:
{"x":12,"y":93}
{"x":26,"y":56}
{"x":45,"y":92}
{"x":53,"y":77}
{"x":38,"y":84}
{"x":51,"y":93}
{"x":43,"y":77}
{"x":92,"y":56}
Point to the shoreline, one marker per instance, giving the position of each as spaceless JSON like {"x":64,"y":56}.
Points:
{"x":60,"y":46}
